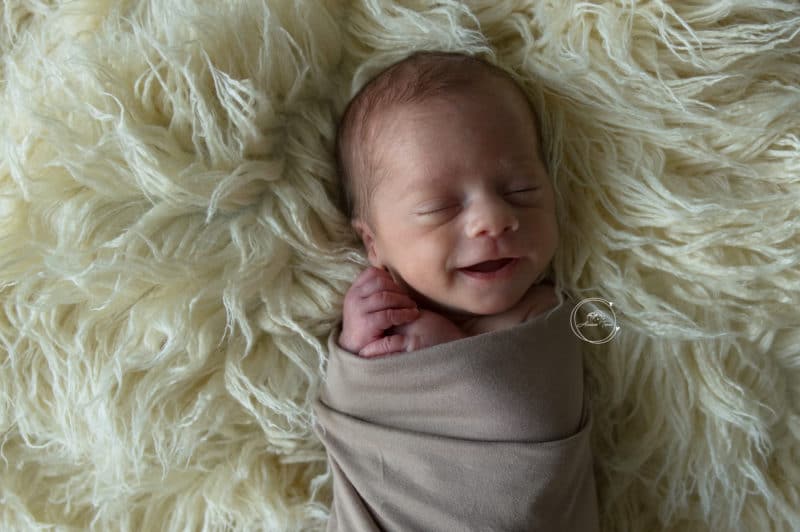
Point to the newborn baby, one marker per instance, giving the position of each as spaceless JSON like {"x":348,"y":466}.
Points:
{"x":445,"y":183}
{"x":449,"y":193}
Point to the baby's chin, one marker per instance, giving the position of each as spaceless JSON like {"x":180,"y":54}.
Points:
{"x":475,"y":309}
{"x":487,"y":308}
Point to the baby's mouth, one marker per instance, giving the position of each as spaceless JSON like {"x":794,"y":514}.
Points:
{"x":489,"y":265}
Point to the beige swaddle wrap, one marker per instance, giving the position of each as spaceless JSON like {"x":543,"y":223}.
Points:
{"x":490,"y":432}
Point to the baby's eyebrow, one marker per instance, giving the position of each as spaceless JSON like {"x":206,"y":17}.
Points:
{"x":420,"y":187}
{"x":526,"y":160}
{"x":428,"y":181}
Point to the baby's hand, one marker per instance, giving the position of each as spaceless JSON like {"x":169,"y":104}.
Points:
{"x":373,"y":304}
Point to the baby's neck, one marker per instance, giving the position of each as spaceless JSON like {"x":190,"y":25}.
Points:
{"x":539,"y":298}
{"x":457,"y":316}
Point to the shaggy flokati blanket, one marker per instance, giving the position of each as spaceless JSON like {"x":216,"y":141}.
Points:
{"x":172,"y":254}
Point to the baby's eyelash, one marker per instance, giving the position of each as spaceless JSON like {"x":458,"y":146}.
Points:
{"x":438,"y":209}
{"x":529,"y":189}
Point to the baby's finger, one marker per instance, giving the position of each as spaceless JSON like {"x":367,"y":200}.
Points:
{"x":369,"y":273}
{"x":383,"y":346}
{"x":379,"y":283}
{"x":384,"y":319}
{"x":386,"y":300}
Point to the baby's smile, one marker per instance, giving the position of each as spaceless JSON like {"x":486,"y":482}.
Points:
{"x":491,"y":269}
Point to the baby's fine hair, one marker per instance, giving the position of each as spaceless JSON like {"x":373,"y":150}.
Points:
{"x":416,"y":78}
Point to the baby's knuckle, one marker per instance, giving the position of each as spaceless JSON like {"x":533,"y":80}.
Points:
{"x":368,"y":272}
{"x":377,"y":284}
{"x":360,"y":281}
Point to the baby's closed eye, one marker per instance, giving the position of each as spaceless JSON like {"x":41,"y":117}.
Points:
{"x":524,"y":197}
{"x":432,"y":209}
{"x":523,"y":190}
{"x":436,"y":212}
{"x":519,"y":195}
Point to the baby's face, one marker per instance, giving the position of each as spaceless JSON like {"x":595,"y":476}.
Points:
{"x":463,"y":185}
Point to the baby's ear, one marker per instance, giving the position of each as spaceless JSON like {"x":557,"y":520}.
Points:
{"x":368,"y":238}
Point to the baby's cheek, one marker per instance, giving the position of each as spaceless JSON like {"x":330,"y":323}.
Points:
{"x":546,"y":237}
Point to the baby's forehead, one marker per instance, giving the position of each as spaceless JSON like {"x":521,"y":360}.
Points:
{"x":491,"y":94}
{"x":432,"y":121}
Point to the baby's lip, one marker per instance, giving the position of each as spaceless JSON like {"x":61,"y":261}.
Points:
{"x":473,"y":264}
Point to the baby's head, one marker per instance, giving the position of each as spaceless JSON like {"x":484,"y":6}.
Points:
{"x":442,"y":169}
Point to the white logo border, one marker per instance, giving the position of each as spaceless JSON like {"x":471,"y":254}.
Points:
{"x":579,"y":334}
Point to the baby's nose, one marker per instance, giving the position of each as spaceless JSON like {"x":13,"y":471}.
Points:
{"x":491,"y":217}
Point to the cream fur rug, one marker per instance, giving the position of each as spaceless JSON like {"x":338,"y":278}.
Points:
{"x":171,"y":257}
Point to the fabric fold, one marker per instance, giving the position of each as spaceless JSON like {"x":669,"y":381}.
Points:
{"x":490,"y":432}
